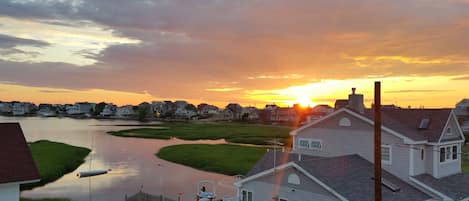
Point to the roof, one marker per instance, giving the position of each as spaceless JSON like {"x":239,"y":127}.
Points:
{"x":267,"y":161}
{"x":454,"y":186}
{"x":350,"y":176}
{"x":16,"y":161}
{"x":406,"y":122}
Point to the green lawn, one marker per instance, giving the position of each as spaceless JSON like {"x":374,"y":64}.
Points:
{"x":46,"y":199}
{"x":465,"y":161}
{"x":232,"y":132}
{"x":224,"y":158}
{"x":54,"y":160}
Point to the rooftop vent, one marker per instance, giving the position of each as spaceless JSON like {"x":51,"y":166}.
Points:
{"x":424,"y":123}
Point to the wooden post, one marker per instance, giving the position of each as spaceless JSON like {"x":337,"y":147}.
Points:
{"x":377,"y":139}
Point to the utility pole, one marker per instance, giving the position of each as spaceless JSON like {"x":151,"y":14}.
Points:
{"x":377,"y":141}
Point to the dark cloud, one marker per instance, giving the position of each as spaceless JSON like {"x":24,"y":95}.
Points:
{"x":10,"y":42}
{"x":54,"y":91}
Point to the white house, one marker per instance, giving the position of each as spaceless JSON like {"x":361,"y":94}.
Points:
{"x":421,"y":153}
{"x":16,"y":163}
{"x":80,"y":108}
{"x":6,"y":107}
{"x":109,"y":110}
{"x":125,"y":111}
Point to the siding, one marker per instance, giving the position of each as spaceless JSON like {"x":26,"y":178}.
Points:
{"x":9,"y":192}
{"x":419,"y":164}
{"x":455,"y":133}
{"x":263,"y":188}
{"x":356,"y":139}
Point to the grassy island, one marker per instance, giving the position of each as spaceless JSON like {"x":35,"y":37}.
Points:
{"x":232,"y":132}
{"x":223,"y":158}
{"x":54,"y":160}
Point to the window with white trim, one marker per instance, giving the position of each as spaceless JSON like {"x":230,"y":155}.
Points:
{"x":246,"y":195}
{"x":313,"y":144}
{"x":304,"y":143}
{"x":448,"y":153}
{"x":386,"y":154}
{"x":345,"y":122}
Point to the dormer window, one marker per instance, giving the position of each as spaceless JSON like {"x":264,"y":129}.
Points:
{"x":345,"y":122}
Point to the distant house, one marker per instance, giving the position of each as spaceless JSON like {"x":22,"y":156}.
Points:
{"x":80,"y":108}
{"x":249,"y":113}
{"x":6,"y":108}
{"x":462,"y":108}
{"x":125,"y":111}
{"x":109,"y":110}
{"x":205,"y":110}
{"x":16,"y":163}
{"x":232,"y":112}
{"x":47,"y":110}
{"x":283,"y":114}
{"x":332,"y":158}
{"x":318,"y":112}
{"x":20,"y":109}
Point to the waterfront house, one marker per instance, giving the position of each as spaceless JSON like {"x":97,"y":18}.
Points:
{"x":125,"y":111}
{"x":6,"y":108}
{"x":80,"y":108}
{"x":16,"y":163}
{"x":108,"y":110}
{"x":421,"y":153}
{"x":20,"y":109}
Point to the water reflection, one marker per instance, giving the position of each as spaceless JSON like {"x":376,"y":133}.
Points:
{"x":132,"y":161}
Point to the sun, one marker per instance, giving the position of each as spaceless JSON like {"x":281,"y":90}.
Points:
{"x":305,"y":101}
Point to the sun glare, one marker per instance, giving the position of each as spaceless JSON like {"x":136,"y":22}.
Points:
{"x":305,"y":102}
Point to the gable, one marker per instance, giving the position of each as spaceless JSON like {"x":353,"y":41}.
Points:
{"x":343,"y":120}
{"x":452,"y":131}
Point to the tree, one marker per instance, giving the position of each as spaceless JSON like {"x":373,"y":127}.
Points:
{"x":142,"y":113}
{"x":98,"y":108}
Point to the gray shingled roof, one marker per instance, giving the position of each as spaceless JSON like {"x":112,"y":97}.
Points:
{"x":350,"y":176}
{"x":267,"y":161}
{"x":406,"y":122}
{"x":455,"y":186}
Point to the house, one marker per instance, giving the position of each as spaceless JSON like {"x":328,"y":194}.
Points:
{"x":462,"y":108}
{"x":47,"y":110}
{"x":205,"y":110}
{"x":125,"y":111}
{"x":318,"y":112}
{"x":249,"y":113}
{"x":80,"y":108}
{"x":232,"y":111}
{"x":465,"y":127}
{"x":16,"y":163}
{"x":6,"y":108}
{"x":283,"y":114}
{"x":20,"y":109}
{"x":109,"y":110}
{"x":421,"y":153}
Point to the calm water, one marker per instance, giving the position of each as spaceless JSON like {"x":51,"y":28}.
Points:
{"x":133,"y":163}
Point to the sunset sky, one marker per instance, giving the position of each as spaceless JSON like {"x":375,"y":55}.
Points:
{"x":252,"y":52}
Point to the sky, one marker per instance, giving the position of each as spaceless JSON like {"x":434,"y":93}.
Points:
{"x":253,"y":52}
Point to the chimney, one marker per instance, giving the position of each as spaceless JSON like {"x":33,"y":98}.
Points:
{"x":355,"y":101}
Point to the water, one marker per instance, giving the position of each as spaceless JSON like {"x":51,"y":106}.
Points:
{"x":132,"y":160}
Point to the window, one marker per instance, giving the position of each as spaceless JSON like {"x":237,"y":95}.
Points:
{"x":386,"y":154}
{"x":294,"y":179}
{"x":448,"y":131}
{"x":316,"y":144}
{"x":313,"y":144}
{"x":345,"y":122}
{"x":246,"y":195}
{"x":448,"y":153}
{"x":304,"y":143}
